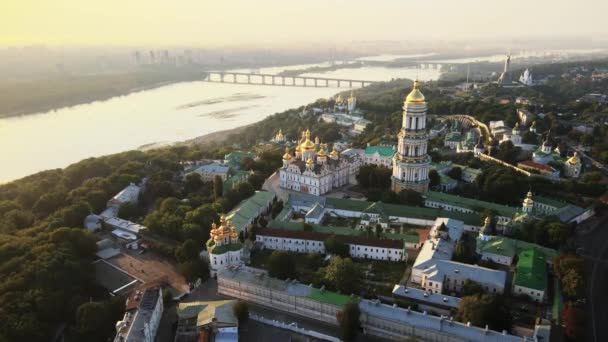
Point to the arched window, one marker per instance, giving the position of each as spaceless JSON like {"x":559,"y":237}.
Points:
{"x":416,"y":124}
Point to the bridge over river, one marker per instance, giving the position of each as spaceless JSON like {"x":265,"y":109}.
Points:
{"x":285,"y":81}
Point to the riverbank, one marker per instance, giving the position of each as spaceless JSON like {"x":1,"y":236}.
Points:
{"x":43,"y":95}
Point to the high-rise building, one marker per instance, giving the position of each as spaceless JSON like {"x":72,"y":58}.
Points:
{"x":411,"y":162}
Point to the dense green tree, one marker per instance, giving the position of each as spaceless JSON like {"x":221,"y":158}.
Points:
{"x":411,"y":198}
{"x":241,"y":311}
{"x":507,"y":152}
{"x":48,"y":203}
{"x":455,"y":173}
{"x":281,"y":265}
{"x":348,"y":319}
{"x":218,"y":187}
{"x":484,"y":309}
{"x":342,"y":274}
{"x":193,"y":182}
{"x":434,"y":179}
{"x":128,"y":211}
{"x":572,"y":284}
{"x":194,"y":269}
{"x":471,"y":288}
{"x":336,"y":247}
{"x":95,"y":321}
{"x":74,"y":215}
{"x":188,"y":251}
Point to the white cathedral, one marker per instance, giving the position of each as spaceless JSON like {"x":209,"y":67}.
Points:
{"x":315,"y":171}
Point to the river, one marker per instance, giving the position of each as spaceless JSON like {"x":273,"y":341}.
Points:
{"x":171,"y":113}
{"x":181,"y":111}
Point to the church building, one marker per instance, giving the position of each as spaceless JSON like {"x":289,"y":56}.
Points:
{"x":316,"y":171}
{"x":411,"y":162}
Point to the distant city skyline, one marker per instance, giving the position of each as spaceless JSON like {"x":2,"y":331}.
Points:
{"x":279,"y":23}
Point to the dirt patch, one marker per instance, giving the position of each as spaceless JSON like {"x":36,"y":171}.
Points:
{"x":150,"y":267}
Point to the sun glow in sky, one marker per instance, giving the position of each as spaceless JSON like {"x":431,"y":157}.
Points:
{"x":249,"y":22}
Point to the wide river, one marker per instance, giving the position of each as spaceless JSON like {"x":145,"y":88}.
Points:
{"x":176,"y":112}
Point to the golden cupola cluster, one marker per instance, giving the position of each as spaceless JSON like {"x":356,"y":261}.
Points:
{"x":225,"y":233}
{"x":415,"y":96}
{"x":307,"y":144}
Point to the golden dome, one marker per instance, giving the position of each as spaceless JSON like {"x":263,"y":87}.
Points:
{"x":218,"y":238}
{"x":307,"y":145}
{"x":486,"y":222}
{"x":286,"y":156}
{"x":309,"y":162}
{"x":322,"y":152}
{"x":415,"y":96}
{"x":575,"y":159}
{"x":528,"y":199}
{"x":334,"y":153}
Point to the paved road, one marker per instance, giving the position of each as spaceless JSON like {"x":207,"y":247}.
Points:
{"x":594,"y":246}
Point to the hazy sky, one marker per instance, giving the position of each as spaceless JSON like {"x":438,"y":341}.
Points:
{"x":235,"y":22}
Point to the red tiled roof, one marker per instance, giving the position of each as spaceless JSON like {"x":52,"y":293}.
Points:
{"x":535,"y":165}
{"x":316,"y":236}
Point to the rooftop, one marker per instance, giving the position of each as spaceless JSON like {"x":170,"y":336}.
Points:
{"x":531,"y":270}
{"x":129,"y":226}
{"x":128,"y":194}
{"x":537,"y":166}
{"x":242,"y":214}
{"x":502,"y":245}
{"x":214,"y":168}
{"x":208,"y":311}
{"x":470,"y":203}
{"x":423,"y":296}
{"x":428,"y":322}
{"x":322,"y":236}
{"x":292,"y":287}
{"x":384,"y":151}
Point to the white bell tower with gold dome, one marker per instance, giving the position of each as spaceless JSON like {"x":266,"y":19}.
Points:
{"x":411,"y":162}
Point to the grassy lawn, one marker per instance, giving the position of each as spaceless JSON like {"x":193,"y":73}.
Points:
{"x":339,"y":221}
{"x":304,"y":269}
{"x":381,"y":271}
{"x":259,"y":259}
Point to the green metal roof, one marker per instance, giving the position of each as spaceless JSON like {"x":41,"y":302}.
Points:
{"x":505,"y":246}
{"x":289,"y":225}
{"x":237,"y":178}
{"x":234,"y":158}
{"x":384,"y":151}
{"x":500,"y":246}
{"x":409,"y":237}
{"x":249,"y":208}
{"x":531,"y":270}
{"x":212,"y":248}
{"x":549,"y":201}
{"x":206,"y":312}
{"x":470,"y":203}
{"x":328,"y":297}
{"x":399,"y":210}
